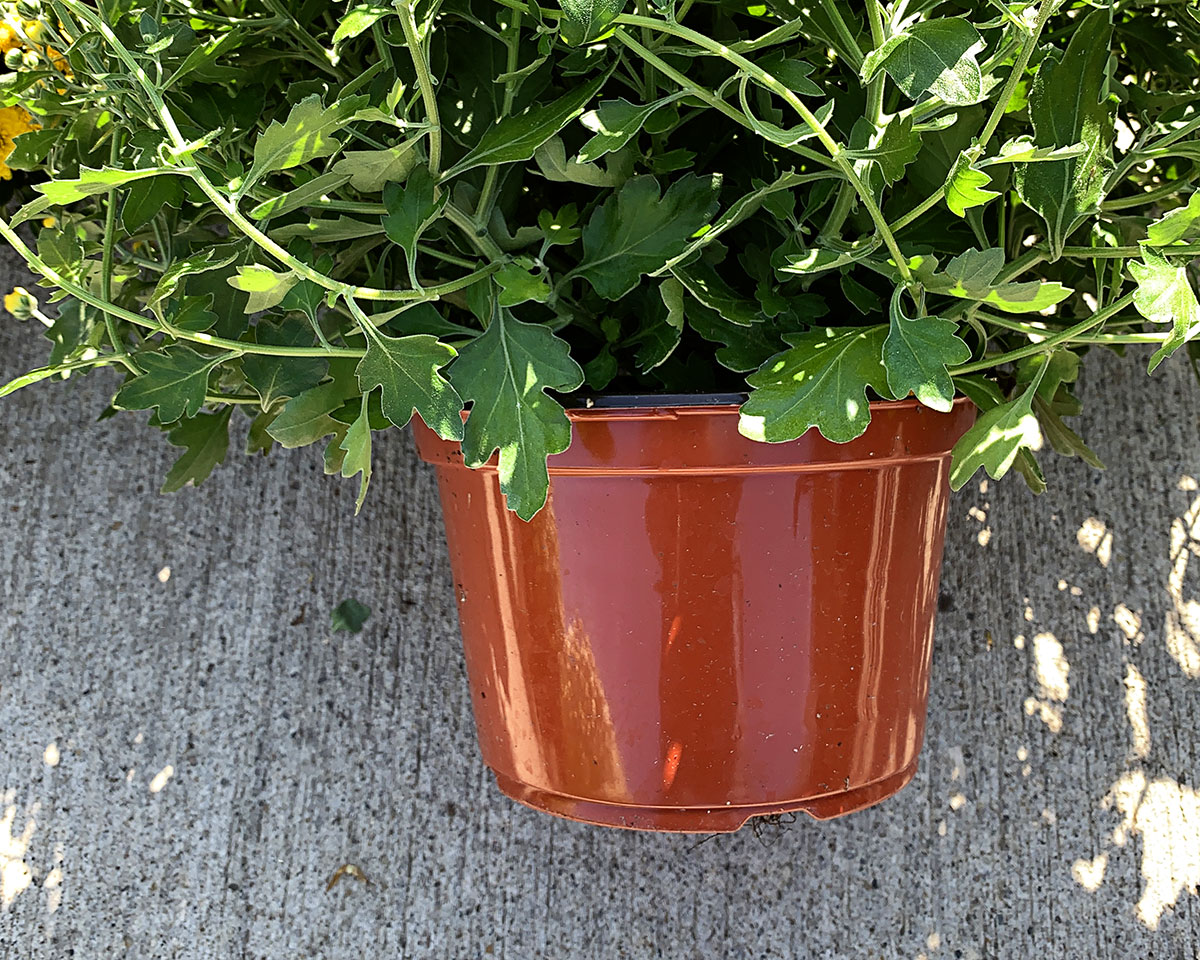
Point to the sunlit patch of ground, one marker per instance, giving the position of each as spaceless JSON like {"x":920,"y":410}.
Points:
{"x":1161,"y":812}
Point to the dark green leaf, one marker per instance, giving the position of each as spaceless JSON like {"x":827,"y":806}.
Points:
{"x":934,"y":56}
{"x":275,"y":378}
{"x":516,"y":138}
{"x":410,"y":209}
{"x":615,"y":123}
{"x":306,"y":417}
{"x":1070,"y":104}
{"x":174,"y":382}
{"x":205,"y":438}
{"x":820,"y":382}
{"x":349,"y":615}
{"x":635,"y":232}
{"x":145,"y":198}
{"x":916,"y":354}
{"x":407,"y":368}
{"x":505,"y":374}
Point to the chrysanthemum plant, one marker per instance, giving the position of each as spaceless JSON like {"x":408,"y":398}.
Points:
{"x":329,"y":218}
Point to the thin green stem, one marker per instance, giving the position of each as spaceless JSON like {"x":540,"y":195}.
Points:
{"x":223,"y":203}
{"x":478,"y":236}
{"x":512,"y":41}
{"x":702,"y":93}
{"x":84,"y":295}
{"x":1035,"y":331}
{"x":852,"y":52}
{"x":106,"y":263}
{"x":876,"y":88}
{"x":408,"y":23}
{"x":1052,"y":341}
{"x":832,"y":147}
{"x":1045,"y":8}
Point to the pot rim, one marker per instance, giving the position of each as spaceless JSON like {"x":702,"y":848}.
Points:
{"x":670,"y":406}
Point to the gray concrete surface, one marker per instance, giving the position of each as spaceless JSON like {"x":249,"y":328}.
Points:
{"x":185,"y":765}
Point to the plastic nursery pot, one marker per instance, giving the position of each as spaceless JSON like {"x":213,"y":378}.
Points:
{"x":698,"y":628}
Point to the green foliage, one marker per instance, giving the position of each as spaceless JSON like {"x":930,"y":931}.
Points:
{"x":338,"y":217}
{"x":349,"y":615}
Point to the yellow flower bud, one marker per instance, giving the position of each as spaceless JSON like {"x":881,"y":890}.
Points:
{"x":20,"y":303}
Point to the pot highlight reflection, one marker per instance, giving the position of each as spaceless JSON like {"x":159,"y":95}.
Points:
{"x":699,"y":628}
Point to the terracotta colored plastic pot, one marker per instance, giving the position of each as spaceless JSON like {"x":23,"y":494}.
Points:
{"x":699,"y":628}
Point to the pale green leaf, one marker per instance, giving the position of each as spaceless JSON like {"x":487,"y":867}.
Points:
{"x":356,"y":448}
{"x":299,"y":197}
{"x":585,"y":20}
{"x":308,"y":133}
{"x":1164,"y":295}
{"x":996,"y":440}
{"x":265,"y":287}
{"x":91,"y":182}
{"x":518,"y":285}
{"x":966,"y":185}
{"x":369,"y":170}
{"x":1182,"y":223}
{"x":359,"y":20}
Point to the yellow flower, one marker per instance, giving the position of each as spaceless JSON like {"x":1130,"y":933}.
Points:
{"x":49,"y":221}
{"x":14,"y":121}
{"x":20,"y":303}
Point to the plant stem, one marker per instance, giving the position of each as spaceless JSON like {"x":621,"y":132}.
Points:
{"x":876,"y":89}
{"x":832,"y":147}
{"x":86,"y":296}
{"x":478,"y":236}
{"x":223,"y":203}
{"x":706,"y":95}
{"x":1100,"y":338}
{"x":483,"y":209}
{"x":1045,"y":8}
{"x":408,"y":23}
{"x":853,"y":54}
{"x":106,"y":264}
{"x":1064,"y":336}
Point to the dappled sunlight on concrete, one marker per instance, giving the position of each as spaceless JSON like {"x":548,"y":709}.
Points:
{"x":1051,"y":670}
{"x":1166,"y":815}
{"x":1182,"y":628}
{"x":15,"y":874}
{"x":1162,"y":813}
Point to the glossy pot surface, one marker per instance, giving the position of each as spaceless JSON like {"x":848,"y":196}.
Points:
{"x":699,"y":628}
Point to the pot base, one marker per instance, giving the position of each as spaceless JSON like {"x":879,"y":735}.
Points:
{"x":726,"y":819}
